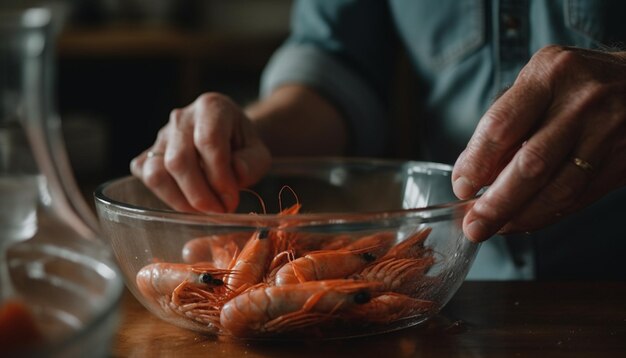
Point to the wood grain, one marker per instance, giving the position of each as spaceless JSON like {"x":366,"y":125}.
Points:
{"x":484,"y":319}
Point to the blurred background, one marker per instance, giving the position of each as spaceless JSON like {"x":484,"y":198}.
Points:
{"x":123,"y":65}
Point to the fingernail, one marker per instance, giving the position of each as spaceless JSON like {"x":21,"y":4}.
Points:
{"x":477,"y":231}
{"x":463,"y":188}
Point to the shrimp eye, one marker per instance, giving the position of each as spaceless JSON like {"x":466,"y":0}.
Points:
{"x":217,"y":282}
{"x":368,"y":257}
{"x":263,"y":233}
{"x":206,"y":278}
{"x":362,"y":297}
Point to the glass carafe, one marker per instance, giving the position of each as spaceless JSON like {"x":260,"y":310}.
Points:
{"x":55,"y":273}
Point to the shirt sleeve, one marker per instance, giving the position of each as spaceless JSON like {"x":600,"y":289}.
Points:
{"x":343,"y":50}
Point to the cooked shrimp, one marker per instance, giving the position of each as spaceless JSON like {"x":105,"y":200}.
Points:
{"x":381,"y":240}
{"x":332,"y":264}
{"x":278,"y":309}
{"x":282,"y":237}
{"x":251,"y":264}
{"x":412,"y":247}
{"x":398,"y":275}
{"x":171,"y":287}
{"x":219,"y":250}
{"x":277,"y":263}
{"x":161,"y":279}
{"x":389,"y":307}
{"x":325,"y":242}
{"x":324,"y":265}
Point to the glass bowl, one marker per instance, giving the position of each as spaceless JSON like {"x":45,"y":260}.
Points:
{"x":319,"y":248}
{"x":68,"y":291}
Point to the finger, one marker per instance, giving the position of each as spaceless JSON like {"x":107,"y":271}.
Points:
{"x":212,"y":138}
{"x":556,"y":199}
{"x":529,"y":171}
{"x":183,"y":163}
{"x":576,"y":184}
{"x":151,"y":171}
{"x":154,"y":175}
{"x":506,"y":125}
{"x":251,"y":164}
{"x":609,"y":176}
{"x":500,"y":166}
{"x":136,"y":164}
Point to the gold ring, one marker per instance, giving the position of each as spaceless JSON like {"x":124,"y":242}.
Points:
{"x":152,"y":154}
{"x":583,"y":164}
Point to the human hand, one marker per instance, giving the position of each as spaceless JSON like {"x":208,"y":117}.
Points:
{"x":552,"y":144}
{"x":203,"y":156}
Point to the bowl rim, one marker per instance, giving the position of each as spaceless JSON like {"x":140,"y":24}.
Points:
{"x":425,"y":214}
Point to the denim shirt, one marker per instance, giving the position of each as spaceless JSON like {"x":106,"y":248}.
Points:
{"x":463,"y":52}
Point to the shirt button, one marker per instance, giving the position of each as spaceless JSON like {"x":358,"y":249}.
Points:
{"x":511,"y":25}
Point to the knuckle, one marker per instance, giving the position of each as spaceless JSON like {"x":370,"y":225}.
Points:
{"x":560,"y":195}
{"x":562,"y":62}
{"x":175,"y":163}
{"x":211,"y":99}
{"x":550,"y":50}
{"x":154,"y":178}
{"x":532,"y":163}
{"x":207,"y":139}
{"x":496,"y":126}
{"x":549,"y":62}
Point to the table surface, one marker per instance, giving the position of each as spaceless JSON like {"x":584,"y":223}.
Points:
{"x":493,"y":319}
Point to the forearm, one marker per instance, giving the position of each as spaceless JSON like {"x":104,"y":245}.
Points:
{"x":295,"y":120}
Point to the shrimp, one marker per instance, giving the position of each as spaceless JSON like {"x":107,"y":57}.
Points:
{"x":283,"y":238}
{"x":324,"y":265}
{"x":398,"y":275}
{"x":252,"y":263}
{"x":413,"y":246}
{"x":331,"y":264}
{"x":332,"y":242}
{"x":383,"y":240}
{"x":389,"y":307}
{"x":180,"y":290}
{"x":219,"y":250}
{"x":278,"y":309}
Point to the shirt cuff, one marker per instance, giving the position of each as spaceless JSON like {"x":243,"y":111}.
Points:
{"x":311,"y":66}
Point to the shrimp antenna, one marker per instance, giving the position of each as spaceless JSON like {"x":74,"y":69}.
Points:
{"x":280,"y":194}
{"x":258,"y":197}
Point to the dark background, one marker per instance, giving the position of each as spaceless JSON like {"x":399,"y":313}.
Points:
{"x":123,"y":65}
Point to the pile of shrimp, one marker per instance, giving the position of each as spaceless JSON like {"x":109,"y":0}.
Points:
{"x":275,"y":282}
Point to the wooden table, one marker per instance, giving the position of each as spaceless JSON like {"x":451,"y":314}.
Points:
{"x":484,"y":319}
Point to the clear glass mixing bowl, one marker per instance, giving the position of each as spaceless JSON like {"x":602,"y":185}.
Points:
{"x":359,"y":211}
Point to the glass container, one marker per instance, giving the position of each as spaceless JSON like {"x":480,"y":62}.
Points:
{"x":59,"y":288}
{"x":376,"y":245}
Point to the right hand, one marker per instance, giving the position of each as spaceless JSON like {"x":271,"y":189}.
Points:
{"x":203,"y":156}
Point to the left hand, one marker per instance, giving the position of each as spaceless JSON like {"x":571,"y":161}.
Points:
{"x":567,"y":105}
